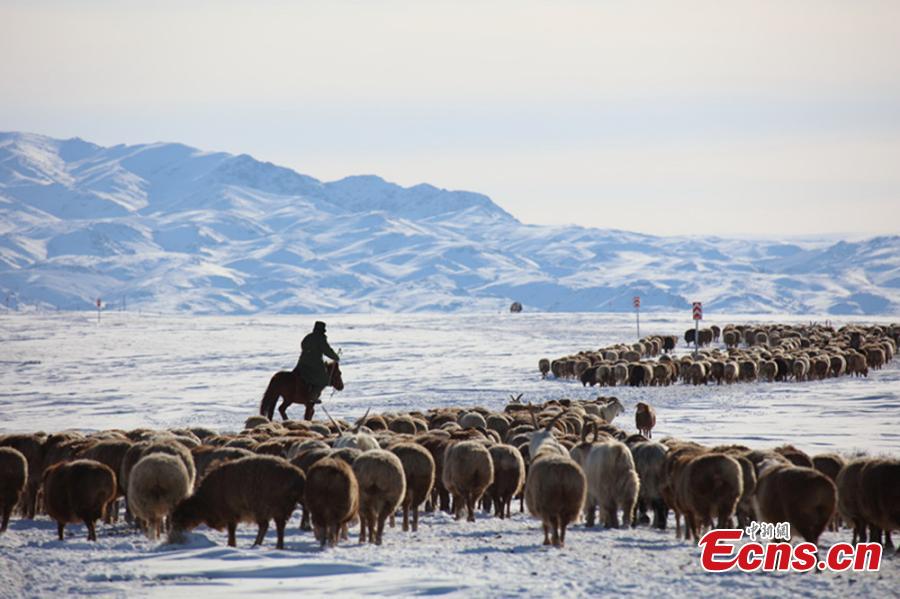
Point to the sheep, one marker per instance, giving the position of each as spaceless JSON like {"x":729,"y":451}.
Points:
{"x":710,"y":484}
{"x":468,"y":472}
{"x":358,"y":438}
{"x":206,"y":456}
{"x":157,"y":483}
{"x":13,"y":478}
{"x":509,"y":478}
{"x":830,"y":465}
{"x":612,"y":483}
{"x":649,"y":463}
{"x":544,"y":440}
{"x":332,"y":498}
{"x":347,"y":454}
{"x":403,"y":425}
{"x":800,"y":369}
{"x":746,"y":509}
{"x":255,"y":421}
{"x":697,"y":373}
{"x":802,"y":496}
{"x":612,"y":408}
{"x":110,"y":452}
{"x":795,"y":456}
{"x":879,"y":494}
{"x":498,"y":423}
{"x":730,"y":337}
{"x":731,"y":372}
{"x":544,"y":367}
{"x":382,"y":486}
{"x":645,"y":419}
{"x":256,"y":489}
{"x":555,"y":492}
{"x":472,"y":420}
{"x":78,"y":490}
{"x":418,"y":470}
{"x":32,"y":447}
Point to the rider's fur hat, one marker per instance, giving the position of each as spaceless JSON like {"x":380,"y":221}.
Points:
{"x":319,"y":326}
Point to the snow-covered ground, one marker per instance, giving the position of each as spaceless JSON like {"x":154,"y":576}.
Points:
{"x":64,"y":370}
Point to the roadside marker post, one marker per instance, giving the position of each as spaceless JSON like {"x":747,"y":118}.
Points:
{"x":698,"y":316}
{"x":637,"y":312}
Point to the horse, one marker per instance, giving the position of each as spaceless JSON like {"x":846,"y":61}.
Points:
{"x":292,"y":389}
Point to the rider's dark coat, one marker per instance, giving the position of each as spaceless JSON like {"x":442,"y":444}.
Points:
{"x":310,"y":366}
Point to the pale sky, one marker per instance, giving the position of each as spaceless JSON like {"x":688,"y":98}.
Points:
{"x":667,"y":117}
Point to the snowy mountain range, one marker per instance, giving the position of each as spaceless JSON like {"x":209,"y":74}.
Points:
{"x":168,"y":227}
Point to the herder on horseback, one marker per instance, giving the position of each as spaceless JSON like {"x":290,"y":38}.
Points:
{"x":310,"y":367}
{"x":305,"y":383}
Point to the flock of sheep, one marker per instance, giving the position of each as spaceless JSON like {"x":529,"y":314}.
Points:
{"x":564,"y":460}
{"x":752,"y":353}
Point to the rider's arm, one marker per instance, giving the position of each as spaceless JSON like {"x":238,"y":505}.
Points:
{"x":326,"y":349}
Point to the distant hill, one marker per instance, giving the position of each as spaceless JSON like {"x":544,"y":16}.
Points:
{"x":174,"y":228}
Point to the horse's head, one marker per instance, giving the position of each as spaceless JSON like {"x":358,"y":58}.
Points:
{"x":337,"y":380}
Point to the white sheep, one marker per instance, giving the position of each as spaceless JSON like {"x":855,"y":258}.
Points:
{"x":155,"y":486}
{"x":612,"y":482}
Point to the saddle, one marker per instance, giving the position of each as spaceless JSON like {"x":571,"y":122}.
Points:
{"x":314,"y":392}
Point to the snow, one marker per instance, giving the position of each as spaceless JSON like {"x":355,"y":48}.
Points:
{"x":421,"y":248}
{"x":64,"y":370}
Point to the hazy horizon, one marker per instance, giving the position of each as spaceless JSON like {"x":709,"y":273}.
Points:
{"x":734,"y":119}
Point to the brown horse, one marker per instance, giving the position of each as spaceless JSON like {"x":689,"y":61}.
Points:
{"x":292,"y":389}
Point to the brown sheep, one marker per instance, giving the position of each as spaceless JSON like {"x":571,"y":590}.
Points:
{"x":849,"y":504}
{"x":13,"y":478}
{"x":332,"y":498}
{"x":880,"y":497}
{"x":830,"y":465}
{"x":252,"y":489}
{"x":403,"y":424}
{"x":649,"y":462}
{"x":468,"y":472}
{"x":645,"y":419}
{"x":544,"y":367}
{"x":796,"y":456}
{"x":382,"y":486}
{"x":110,"y":452}
{"x":418,"y":468}
{"x":32,"y":447}
{"x":802,"y":496}
{"x":78,"y":491}
{"x":436,"y":444}
{"x":555,"y":492}
{"x":206,"y":456}
{"x":509,"y":478}
{"x":710,"y":485}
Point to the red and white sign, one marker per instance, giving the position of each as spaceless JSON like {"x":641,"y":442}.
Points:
{"x":698,"y":311}
{"x":636,"y":301}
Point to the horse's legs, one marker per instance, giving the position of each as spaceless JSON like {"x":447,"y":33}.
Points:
{"x":310,"y":410}
{"x":282,"y":409}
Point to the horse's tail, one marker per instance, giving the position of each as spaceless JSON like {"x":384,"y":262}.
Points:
{"x":269,"y":399}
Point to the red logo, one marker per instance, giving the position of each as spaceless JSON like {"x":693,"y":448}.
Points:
{"x":721,"y":552}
